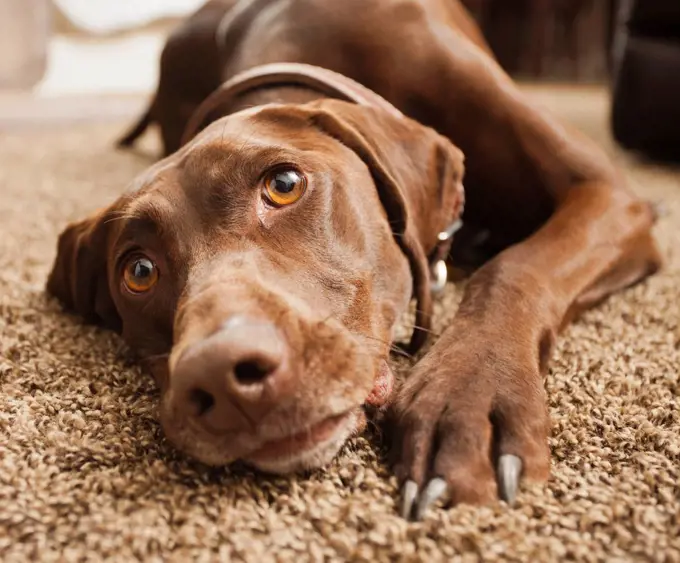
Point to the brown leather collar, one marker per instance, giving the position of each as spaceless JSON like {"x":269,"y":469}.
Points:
{"x":324,"y":81}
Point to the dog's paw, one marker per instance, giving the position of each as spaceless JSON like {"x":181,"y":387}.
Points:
{"x":469,"y":422}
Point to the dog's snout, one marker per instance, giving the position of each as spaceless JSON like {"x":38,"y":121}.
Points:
{"x":232,"y":378}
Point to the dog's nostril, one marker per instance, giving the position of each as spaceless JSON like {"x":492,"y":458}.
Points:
{"x":251,"y":372}
{"x":202,"y":401}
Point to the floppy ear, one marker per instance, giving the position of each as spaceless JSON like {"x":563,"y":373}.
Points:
{"x":79,"y":274}
{"x":419,"y":178}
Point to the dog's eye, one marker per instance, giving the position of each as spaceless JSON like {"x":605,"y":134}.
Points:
{"x":283,"y":187}
{"x":140,"y":274}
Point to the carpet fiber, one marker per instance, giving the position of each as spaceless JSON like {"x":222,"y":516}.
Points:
{"x":85,"y":473}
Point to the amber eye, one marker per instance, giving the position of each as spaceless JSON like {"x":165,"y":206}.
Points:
{"x":283,"y":187}
{"x":140,"y":274}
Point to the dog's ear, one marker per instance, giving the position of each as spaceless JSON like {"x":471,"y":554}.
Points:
{"x":79,"y":275}
{"x":419,"y":178}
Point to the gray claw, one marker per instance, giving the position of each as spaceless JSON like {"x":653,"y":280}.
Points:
{"x":509,"y":471}
{"x":409,"y":495}
{"x":435,"y":490}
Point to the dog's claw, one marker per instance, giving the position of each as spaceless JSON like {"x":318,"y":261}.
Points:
{"x":435,"y":490}
{"x":509,"y":471}
{"x":408,"y":498}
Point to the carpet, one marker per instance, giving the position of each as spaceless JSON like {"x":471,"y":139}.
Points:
{"x":86,"y":475}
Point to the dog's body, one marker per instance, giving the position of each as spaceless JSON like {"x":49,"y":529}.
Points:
{"x":563,"y":230}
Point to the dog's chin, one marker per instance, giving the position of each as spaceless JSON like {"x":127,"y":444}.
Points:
{"x":311,"y":449}
{"x":312,"y":455}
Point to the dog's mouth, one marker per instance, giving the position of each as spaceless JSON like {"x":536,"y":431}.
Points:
{"x":317,"y":444}
{"x":296,"y":446}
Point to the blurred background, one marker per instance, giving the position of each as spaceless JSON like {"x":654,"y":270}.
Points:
{"x":77,"y":59}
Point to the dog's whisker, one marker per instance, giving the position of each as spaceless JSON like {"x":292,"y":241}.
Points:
{"x":392,"y":348}
{"x":118,"y":217}
{"x":414,"y":326}
{"x":367,"y":354}
{"x":325,"y":320}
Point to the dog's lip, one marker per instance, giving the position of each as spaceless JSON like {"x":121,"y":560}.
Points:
{"x":299,"y":442}
{"x":383,"y":385}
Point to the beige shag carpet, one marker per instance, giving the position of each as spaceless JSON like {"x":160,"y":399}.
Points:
{"x":86,"y":475}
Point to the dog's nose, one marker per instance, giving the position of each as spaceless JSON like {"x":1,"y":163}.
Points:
{"x":233,"y":377}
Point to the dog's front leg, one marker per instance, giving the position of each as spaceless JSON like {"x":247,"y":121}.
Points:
{"x":472,"y":416}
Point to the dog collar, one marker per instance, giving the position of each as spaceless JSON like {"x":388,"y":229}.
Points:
{"x":324,"y":81}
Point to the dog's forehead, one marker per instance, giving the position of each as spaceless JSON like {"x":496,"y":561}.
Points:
{"x":273,"y":123}
{"x":226,"y":146}
{"x":235,"y":151}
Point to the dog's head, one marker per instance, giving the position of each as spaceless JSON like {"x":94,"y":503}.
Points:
{"x":260,"y":271}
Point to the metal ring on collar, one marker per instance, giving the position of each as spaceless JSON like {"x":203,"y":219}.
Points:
{"x":439,"y":271}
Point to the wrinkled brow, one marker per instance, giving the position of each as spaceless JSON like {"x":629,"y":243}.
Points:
{"x":151,"y":215}
{"x":234,"y":163}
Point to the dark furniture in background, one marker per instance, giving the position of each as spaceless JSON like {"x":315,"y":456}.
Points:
{"x":646,"y":78}
{"x":631,"y":45}
{"x":564,"y":40}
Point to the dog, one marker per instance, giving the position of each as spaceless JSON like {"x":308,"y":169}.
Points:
{"x":315,"y":153}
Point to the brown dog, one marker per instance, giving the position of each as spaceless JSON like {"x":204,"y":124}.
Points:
{"x":261,"y":267}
